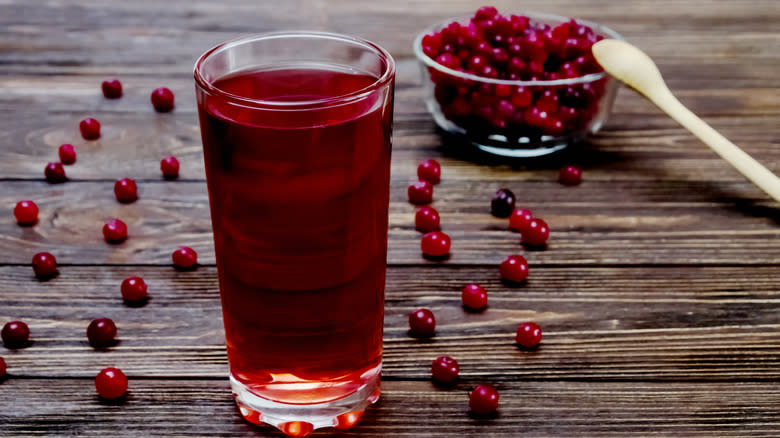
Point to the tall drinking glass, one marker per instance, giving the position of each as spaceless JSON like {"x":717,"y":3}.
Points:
{"x":296,"y":138}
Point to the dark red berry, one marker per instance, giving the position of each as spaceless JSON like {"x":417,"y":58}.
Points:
{"x":44,"y":264}
{"x":483,"y":400}
{"x":503,"y":203}
{"x":485,"y":13}
{"x":111,"y":383}
{"x":134,"y":289}
{"x":536,"y":233}
{"x":101,"y":332}
{"x":67,"y":154}
{"x":162,"y":99}
{"x":529,"y":334}
{"x":112,"y":89}
{"x":426,"y":219}
{"x":421,"y":192}
{"x":474,"y":297}
{"x":184,"y":258}
{"x":55,"y":173}
{"x":429,"y":170}
{"x":570,"y":175}
{"x":115,"y":231}
{"x":514,"y":268}
{"x":2,"y":367}
{"x":170,"y":167}
{"x":422,"y":323}
{"x":15,"y":334}
{"x":26,"y":212}
{"x":90,"y":129}
{"x":444,"y":369}
{"x":435,"y":244}
{"x":520,"y":219}
{"x":125,"y":190}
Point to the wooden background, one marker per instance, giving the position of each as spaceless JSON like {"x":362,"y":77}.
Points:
{"x":659,"y":293}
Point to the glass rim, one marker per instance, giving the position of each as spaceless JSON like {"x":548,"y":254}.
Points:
{"x":538,"y":16}
{"x":352,"y":96}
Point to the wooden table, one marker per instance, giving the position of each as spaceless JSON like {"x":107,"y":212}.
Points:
{"x":659,"y":293}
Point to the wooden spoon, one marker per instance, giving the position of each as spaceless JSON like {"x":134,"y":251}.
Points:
{"x":633,"y":67}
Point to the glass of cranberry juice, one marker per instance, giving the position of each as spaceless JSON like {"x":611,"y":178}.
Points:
{"x":296,"y":139}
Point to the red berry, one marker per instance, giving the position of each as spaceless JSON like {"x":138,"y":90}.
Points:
{"x":134,"y":289}
{"x":44,"y":264}
{"x":474,"y":297}
{"x":570,"y":175}
{"x":522,"y":97}
{"x":514,"y":268}
{"x":520,"y":219}
{"x":26,"y":212}
{"x":111,"y":383}
{"x":162,"y":99}
{"x":420,"y":192}
{"x":429,"y":170}
{"x":112,"y":89}
{"x":90,"y":129}
{"x":485,"y":13}
{"x":529,"y":334}
{"x":67,"y":154}
{"x":184,"y":258}
{"x":125,"y":190}
{"x":422,"y":323}
{"x":2,"y":367}
{"x":483,"y":400}
{"x":426,"y":219}
{"x":435,"y":244}
{"x":101,"y":332}
{"x":170,"y":167}
{"x":15,"y":334}
{"x":536,"y":233}
{"x":444,"y":369}
{"x":503,"y":203}
{"x":55,"y":173}
{"x":115,"y":231}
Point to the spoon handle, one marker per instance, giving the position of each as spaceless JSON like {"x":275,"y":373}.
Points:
{"x":749,"y":167}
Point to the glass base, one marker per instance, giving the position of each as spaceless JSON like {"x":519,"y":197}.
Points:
{"x":303,"y":419}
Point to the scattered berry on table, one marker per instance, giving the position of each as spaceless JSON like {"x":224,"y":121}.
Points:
{"x":421,"y":192}
{"x":529,"y":334}
{"x":429,"y":170}
{"x":67,"y":154}
{"x":514,"y":268}
{"x":115,"y":231}
{"x":55,"y":173}
{"x":184,"y":258}
{"x":435,"y":244}
{"x":26,"y":212}
{"x":101,"y":332}
{"x":483,"y":400}
{"x":15,"y":334}
{"x":170,"y":167}
{"x":444,"y":369}
{"x":536,"y":233}
{"x":90,"y":129}
{"x":520,"y":219}
{"x":503,"y":203}
{"x":474,"y":296}
{"x":2,"y":367}
{"x":111,"y":383}
{"x":422,"y":323}
{"x":112,"y":89}
{"x":125,"y":190}
{"x":162,"y":99}
{"x":426,"y":219}
{"x":44,"y":264}
{"x":570,"y":175}
{"x":134,"y":289}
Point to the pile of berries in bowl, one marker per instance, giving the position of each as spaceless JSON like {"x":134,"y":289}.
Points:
{"x":517,"y":85}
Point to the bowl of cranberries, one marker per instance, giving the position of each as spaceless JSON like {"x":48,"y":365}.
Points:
{"x":515,"y":85}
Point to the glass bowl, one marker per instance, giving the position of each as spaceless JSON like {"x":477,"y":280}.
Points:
{"x":502,"y":116}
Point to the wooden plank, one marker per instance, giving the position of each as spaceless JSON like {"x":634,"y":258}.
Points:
{"x":406,"y":409}
{"x":705,"y":323}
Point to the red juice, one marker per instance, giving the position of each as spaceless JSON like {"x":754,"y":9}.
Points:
{"x":299,"y":208}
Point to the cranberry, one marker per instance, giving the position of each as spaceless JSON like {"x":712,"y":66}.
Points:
{"x":420,"y":192}
{"x":115,"y":231}
{"x":431,"y":44}
{"x":125,"y":190}
{"x":426,"y":219}
{"x":422,"y":323}
{"x":111,"y":383}
{"x":90,"y":129}
{"x":529,"y":334}
{"x":134,"y":289}
{"x":101,"y":332}
{"x":15,"y":334}
{"x":502,"y":203}
{"x":162,"y":99}
{"x":474,"y":297}
{"x":485,"y":13}
{"x":522,"y":97}
{"x":55,"y":173}
{"x":520,"y":219}
{"x":429,"y":170}
{"x":44,"y":264}
{"x":444,"y":369}
{"x":536,"y":233}
{"x":570,"y":175}
{"x":170,"y":167}
{"x":514,"y":268}
{"x":2,"y":367}
{"x":435,"y":244}
{"x":112,"y":89}
{"x":483,"y":400}
{"x":184,"y":258}
{"x":26,"y":212}
{"x":67,"y":154}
